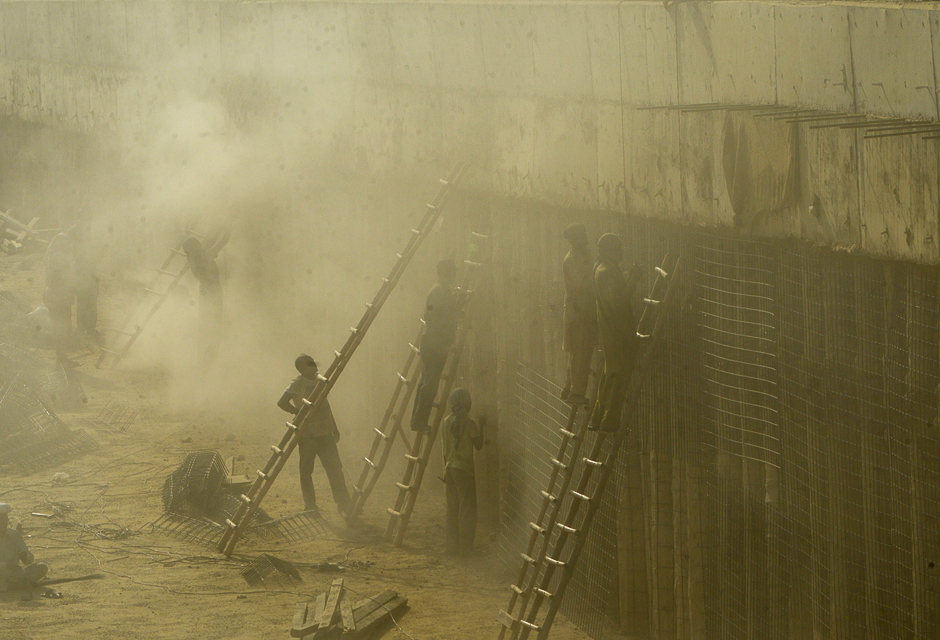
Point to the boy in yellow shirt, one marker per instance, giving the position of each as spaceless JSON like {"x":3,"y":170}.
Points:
{"x":460,"y":436}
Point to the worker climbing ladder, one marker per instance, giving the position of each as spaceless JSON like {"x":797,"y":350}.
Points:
{"x":251,"y":500}
{"x":155,"y":293}
{"x":535,"y":583}
{"x":416,"y":460}
{"x":386,"y":434}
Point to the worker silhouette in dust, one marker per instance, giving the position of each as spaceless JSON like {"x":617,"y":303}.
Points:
{"x":86,"y":284}
{"x":617,"y":331}
{"x":440,"y":319}
{"x":202,"y":263}
{"x":318,"y":439}
{"x":59,"y":293}
{"x":14,"y":551}
{"x":580,"y":314}
{"x":459,"y":437}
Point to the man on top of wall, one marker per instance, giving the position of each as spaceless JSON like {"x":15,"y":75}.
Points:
{"x":440,"y":319}
{"x":580,"y":314}
{"x":617,"y":331}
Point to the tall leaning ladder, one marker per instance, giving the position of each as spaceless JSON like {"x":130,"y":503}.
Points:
{"x":155,"y":293}
{"x":388,"y":431}
{"x":537,"y":574}
{"x":251,"y":500}
{"x":417,"y":458}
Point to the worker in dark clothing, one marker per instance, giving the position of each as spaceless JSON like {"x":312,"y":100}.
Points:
{"x":14,"y":551}
{"x":86,"y":285}
{"x":59,"y":293}
{"x":440,"y":319}
{"x":617,"y":332}
{"x":206,"y":271}
{"x":580,"y":314}
{"x":459,"y":437}
{"x":318,"y":439}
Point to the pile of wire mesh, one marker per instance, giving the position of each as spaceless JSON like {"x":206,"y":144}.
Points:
{"x":197,"y":502}
{"x":32,"y":437}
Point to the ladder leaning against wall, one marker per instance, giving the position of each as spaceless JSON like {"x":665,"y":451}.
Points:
{"x":559,"y":541}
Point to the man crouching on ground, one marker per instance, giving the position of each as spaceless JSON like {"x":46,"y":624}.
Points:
{"x":13,"y":551}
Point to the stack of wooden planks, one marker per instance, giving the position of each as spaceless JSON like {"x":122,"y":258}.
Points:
{"x":13,"y":233}
{"x":332,"y":615}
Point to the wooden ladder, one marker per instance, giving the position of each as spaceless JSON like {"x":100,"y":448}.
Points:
{"x":251,"y":500}
{"x":156,"y":292}
{"x":531,"y":589}
{"x":420,"y":451}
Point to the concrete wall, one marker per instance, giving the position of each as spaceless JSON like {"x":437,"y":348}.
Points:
{"x":551,"y":100}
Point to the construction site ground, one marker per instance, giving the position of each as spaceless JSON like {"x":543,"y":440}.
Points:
{"x":157,"y":586}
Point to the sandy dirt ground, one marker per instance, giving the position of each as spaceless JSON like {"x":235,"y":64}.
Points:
{"x":156,"y":586}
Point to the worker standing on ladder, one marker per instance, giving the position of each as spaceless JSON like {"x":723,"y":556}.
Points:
{"x":59,"y":293}
{"x":318,"y":439}
{"x":459,"y":437}
{"x":580,"y":314}
{"x":617,"y":331}
{"x":440,"y":319}
{"x":206,"y":271}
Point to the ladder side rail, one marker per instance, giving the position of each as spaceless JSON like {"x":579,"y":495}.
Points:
{"x":412,"y":495}
{"x":316,"y":398}
{"x":636,"y":386}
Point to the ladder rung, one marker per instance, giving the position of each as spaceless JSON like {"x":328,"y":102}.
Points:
{"x":479,"y":235}
{"x":385,"y":280}
{"x":642,"y":335}
{"x":414,"y":348}
{"x":276,"y":449}
{"x":431,"y":206}
{"x":528,"y":559}
{"x":322,"y":378}
{"x":398,"y":255}
{"x":394,"y":513}
{"x":403,"y":487}
{"x":565,"y":528}
{"x":566,"y":433}
{"x":403,"y":378}
{"x":167,"y":273}
{"x":543,"y":593}
{"x":551,"y":560}
{"x":262,"y":474}
{"x":306,"y":402}
{"x":369,"y":305}
{"x":244,"y":499}
{"x":528,"y":624}
{"x":470,"y":263}
{"x":337,"y":354}
{"x":369,"y":462}
{"x":127,"y":333}
{"x":410,"y":457}
{"x":384,"y":435}
{"x":356,"y":490}
{"x":651,"y":301}
{"x":580,"y":496}
{"x":291,"y":426}
{"x":519,"y":590}
{"x":415,"y":231}
{"x":548,"y":496}
{"x":593,"y":463}
{"x":445,"y":182}
{"x":661,"y":272}
{"x":558,"y":463}
{"x":193,"y":233}
{"x":178,"y":252}
{"x":230,"y":524}
{"x":113,"y":353}
{"x":156,"y":293}
{"x":353,"y":330}
{"x":537,"y":528}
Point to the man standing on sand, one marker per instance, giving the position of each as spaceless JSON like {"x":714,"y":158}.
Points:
{"x":617,"y":332}
{"x":206,"y":271}
{"x":13,"y":551}
{"x":459,"y":437}
{"x":440,"y":320}
{"x":318,"y":440}
{"x":580,"y":315}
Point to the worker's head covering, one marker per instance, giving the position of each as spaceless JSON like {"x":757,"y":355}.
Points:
{"x":460,"y":403}
{"x":305,"y":363}
{"x":576,"y":234}
{"x":191,"y":247}
{"x":447,"y":270}
{"x":5,"y":508}
{"x":610,"y":248}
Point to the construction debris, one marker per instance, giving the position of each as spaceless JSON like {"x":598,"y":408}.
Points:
{"x":332,"y":615}
{"x":267,"y":569}
{"x":14,"y":234}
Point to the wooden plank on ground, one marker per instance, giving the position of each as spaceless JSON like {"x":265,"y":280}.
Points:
{"x":366,"y":606}
{"x":366,"y":625}
{"x":312,"y":622}
{"x":300,"y":617}
{"x":345,"y":609}
{"x":332,"y":603}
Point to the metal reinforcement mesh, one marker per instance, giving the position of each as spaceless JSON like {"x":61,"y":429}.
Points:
{"x":783,"y":477}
